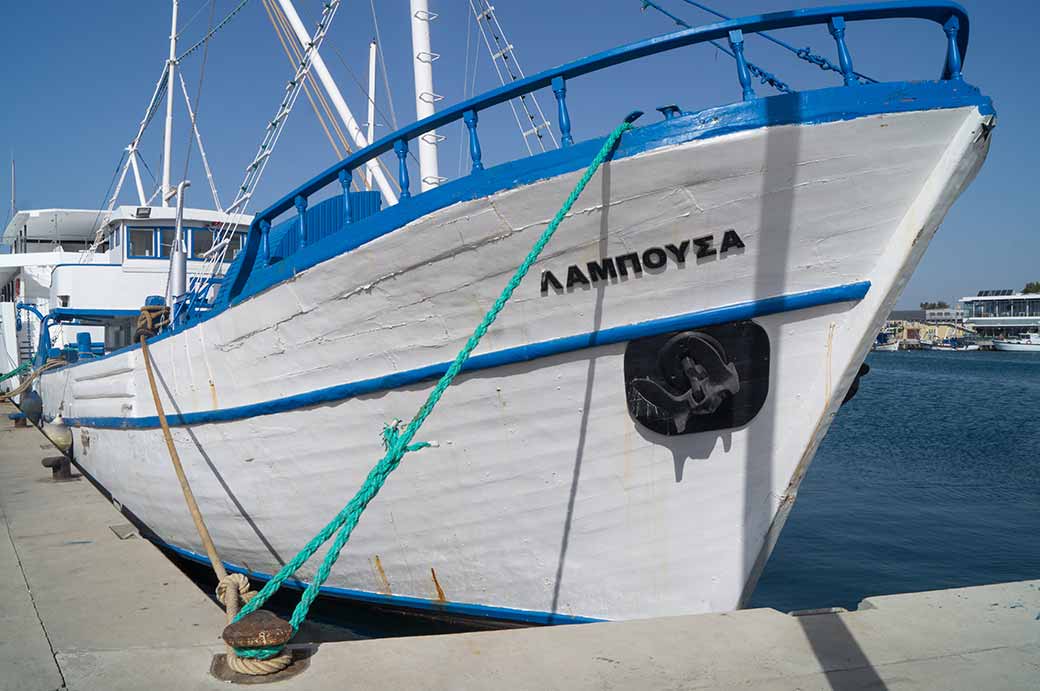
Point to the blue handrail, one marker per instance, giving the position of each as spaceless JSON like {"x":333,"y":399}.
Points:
{"x":948,"y":15}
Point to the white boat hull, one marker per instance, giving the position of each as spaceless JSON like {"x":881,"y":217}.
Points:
{"x":1016,"y":347}
{"x":545,"y":500}
{"x":885,"y":347}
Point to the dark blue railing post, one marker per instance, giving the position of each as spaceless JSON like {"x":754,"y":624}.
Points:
{"x":953,"y":53}
{"x":344,"y":181}
{"x":301,"y":208}
{"x":265,"y":242}
{"x":736,"y":44}
{"x":836,"y":26}
{"x":559,"y":87}
{"x":470,"y":118}
{"x":401,"y":149}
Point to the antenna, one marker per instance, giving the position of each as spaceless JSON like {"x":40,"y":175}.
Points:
{"x":371,"y":104}
{"x":14,"y":204}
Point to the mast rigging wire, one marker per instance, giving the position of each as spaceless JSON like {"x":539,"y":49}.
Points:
{"x":198,"y":91}
{"x":382,"y":65}
{"x":803,"y":53}
{"x":215,"y":29}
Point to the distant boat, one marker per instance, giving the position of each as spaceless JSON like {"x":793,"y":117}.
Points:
{"x":886,"y":347}
{"x":953,"y":344}
{"x":1026,"y":342}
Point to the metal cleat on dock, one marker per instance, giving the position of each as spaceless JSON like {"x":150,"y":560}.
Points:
{"x":259,"y":629}
{"x":61,"y":468}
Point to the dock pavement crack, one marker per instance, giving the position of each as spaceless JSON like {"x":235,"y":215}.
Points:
{"x":32,"y":598}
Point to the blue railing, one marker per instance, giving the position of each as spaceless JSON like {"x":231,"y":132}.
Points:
{"x":950,"y":16}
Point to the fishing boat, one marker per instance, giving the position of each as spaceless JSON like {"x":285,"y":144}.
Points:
{"x":629,"y":438}
{"x":885,"y":347}
{"x":955,"y":345}
{"x":1025,"y":343}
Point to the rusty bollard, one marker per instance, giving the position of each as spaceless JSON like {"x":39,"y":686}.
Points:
{"x":61,"y":468}
{"x":259,"y":629}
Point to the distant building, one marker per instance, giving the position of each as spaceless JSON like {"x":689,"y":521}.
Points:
{"x":906,"y":316}
{"x":1000,"y":313}
{"x":945,"y":314}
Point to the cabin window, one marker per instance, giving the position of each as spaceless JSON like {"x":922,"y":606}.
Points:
{"x":141,"y":243}
{"x":201,"y":242}
{"x":166,"y":236}
{"x":234,"y":245}
{"x":116,"y":237}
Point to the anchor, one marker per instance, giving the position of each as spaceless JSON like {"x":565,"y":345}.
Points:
{"x":696,"y":378}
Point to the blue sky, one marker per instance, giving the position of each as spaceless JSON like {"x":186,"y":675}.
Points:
{"x":77,"y":77}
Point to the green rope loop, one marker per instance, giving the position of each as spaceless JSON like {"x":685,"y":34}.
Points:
{"x":398,"y":442}
{"x":21,"y":369}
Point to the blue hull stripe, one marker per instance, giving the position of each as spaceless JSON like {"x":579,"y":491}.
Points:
{"x":526,"y":353}
{"x":405,"y":602}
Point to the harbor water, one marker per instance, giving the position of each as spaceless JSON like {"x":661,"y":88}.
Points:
{"x":929,"y":478}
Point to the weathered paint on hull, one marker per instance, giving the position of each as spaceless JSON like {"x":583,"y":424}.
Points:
{"x":544,"y":495}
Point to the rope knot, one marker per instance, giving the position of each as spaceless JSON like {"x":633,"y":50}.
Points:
{"x":234,"y":582}
{"x":392,"y":440}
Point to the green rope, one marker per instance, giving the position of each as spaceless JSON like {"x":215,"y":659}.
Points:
{"x":398,"y":442}
{"x":17,"y":371}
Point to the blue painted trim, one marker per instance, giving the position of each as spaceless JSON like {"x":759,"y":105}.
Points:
{"x":813,"y":107}
{"x":526,"y":353}
{"x":76,"y":313}
{"x":937,"y":12}
{"x":403,"y":601}
{"x":810,"y":107}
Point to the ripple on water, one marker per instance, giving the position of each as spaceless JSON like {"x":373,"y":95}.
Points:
{"x":929,"y":478}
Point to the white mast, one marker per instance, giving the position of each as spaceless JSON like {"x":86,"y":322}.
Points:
{"x":371,"y":103}
{"x":137,"y":177}
{"x":168,"y":136}
{"x":424,"y":95}
{"x":337,"y":99}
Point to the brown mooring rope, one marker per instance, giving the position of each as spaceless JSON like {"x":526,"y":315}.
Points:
{"x":231,"y":588}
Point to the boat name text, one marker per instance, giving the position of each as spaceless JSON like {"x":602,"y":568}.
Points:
{"x":654,"y":260}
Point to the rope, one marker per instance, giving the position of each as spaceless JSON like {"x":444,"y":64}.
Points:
{"x":17,"y":371}
{"x":230,"y":588}
{"x":398,"y":442}
{"x":24,"y":385}
{"x":151,"y":320}
{"x":281,"y":30}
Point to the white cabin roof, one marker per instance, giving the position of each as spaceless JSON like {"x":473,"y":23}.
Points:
{"x":76,"y":225}
{"x":1004,"y":295}
{"x":136,"y":214}
{"x":80,"y":225}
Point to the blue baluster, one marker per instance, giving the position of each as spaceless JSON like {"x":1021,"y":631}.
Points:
{"x":344,"y":181}
{"x":953,"y":53}
{"x":265,"y":242}
{"x":836,"y":26}
{"x":736,"y":44}
{"x":301,"y":209}
{"x":401,"y":149}
{"x":470,"y":118}
{"x":559,"y":88}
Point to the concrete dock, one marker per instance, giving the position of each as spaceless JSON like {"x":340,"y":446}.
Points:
{"x":87,"y":604}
